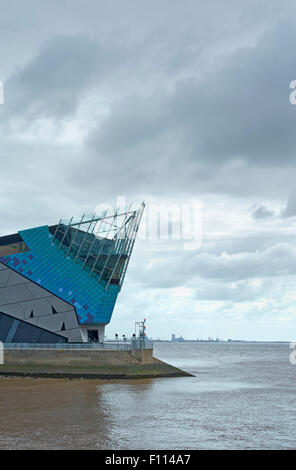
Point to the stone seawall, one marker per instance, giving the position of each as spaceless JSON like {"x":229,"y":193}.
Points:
{"x":98,"y":364}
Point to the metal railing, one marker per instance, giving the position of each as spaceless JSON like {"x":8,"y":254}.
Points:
{"x":114,"y":345}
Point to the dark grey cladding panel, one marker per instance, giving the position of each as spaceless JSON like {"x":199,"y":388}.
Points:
{"x":4,"y":276}
{"x":15,"y":279}
{"x":2,"y":266}
{"x":37,"y":291}
{"x":3,"y":301}
{"x":8,"y":277}
{"x":16,"y":293}
{"x":74,"y":336}
{"x":18,"y":331}
{"x":41,"y":307}
{"x":22,"y":299}
{"x":5,"y":326}
{"x":60,"y":305}
{"x":70,"y":320}
{"x":49,"y":322}
{"x":17,"y":288}
{"x":55,"y":323}
{"x":15,"y":310}
{"x":28,"y":306}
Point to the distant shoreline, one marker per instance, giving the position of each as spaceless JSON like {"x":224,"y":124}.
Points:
{"x":214,"y":341}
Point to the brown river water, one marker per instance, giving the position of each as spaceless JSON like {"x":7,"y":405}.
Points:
{"x":242,"y":397}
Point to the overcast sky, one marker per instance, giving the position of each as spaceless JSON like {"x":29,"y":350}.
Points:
{"x":164,"y":101}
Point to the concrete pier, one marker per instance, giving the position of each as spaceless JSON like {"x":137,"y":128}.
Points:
{"x":96,"y":364}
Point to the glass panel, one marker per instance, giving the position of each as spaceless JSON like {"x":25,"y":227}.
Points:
{"x":13,"y":249}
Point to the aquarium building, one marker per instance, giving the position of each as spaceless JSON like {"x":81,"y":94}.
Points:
{"x":59,"y":283}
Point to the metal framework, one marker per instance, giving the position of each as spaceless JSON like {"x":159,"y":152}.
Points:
{"x":101,"y":244}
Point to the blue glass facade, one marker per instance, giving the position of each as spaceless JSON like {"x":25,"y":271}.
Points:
{"x":60,"y":283}
{"x":47,"y":265}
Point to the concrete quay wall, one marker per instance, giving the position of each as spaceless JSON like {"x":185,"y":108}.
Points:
{"x":100,"y":364}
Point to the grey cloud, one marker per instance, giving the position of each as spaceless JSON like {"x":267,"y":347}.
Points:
{"x":262,"y":212}
{"x":119,"y":133}
{"x":56,"y":79}
{"x":33,"y":189}
{"x":216,"y":133}
{"x":290,"y":209}
{"x":278,"y":260}
{"x":241,"y":291}
{"x":212,"y":133}
{"x":241,"y":109}
{"x":251,"y":242}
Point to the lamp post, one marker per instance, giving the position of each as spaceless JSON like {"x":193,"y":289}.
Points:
{"x":141,"y":328}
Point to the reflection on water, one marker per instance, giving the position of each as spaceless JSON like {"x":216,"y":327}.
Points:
{"x":242,"y":396}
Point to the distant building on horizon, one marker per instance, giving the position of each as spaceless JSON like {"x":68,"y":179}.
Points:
{"x":179,"y":339}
